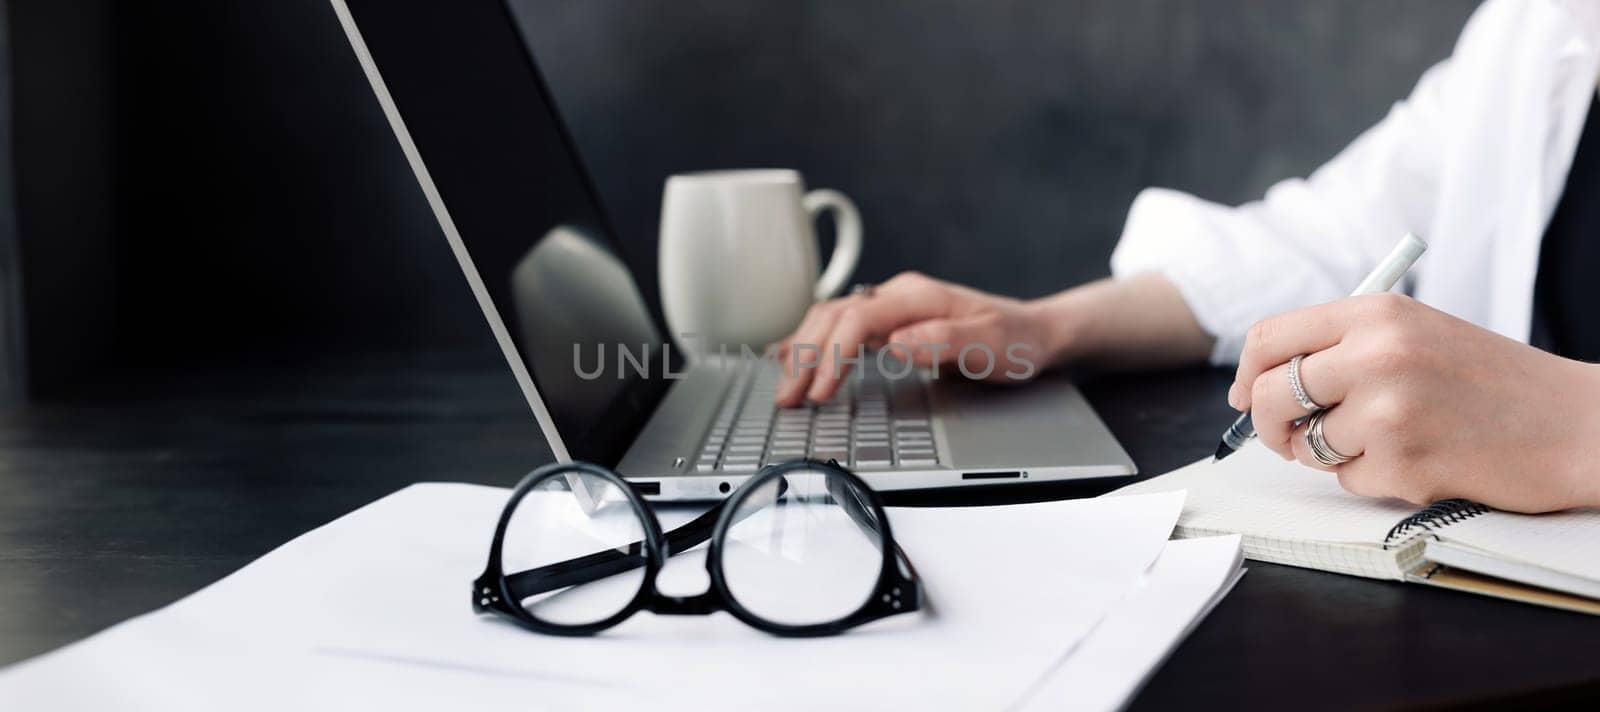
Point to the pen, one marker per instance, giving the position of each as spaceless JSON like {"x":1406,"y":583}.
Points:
{"x":1382,"y":278}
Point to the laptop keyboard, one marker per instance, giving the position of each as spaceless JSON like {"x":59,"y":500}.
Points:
{"x":873,"y":423}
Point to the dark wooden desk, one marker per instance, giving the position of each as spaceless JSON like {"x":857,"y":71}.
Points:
{"x":114,"y":506}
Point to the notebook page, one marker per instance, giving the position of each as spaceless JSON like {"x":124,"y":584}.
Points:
{"x":1287,"y":513}
{"x":1568,"y":542}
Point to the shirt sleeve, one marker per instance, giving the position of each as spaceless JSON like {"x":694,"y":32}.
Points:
{"x":1307,"y":240}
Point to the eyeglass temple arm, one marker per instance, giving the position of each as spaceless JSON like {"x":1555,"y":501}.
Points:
{"x":861,"y":513}
{"x":610,"y":562}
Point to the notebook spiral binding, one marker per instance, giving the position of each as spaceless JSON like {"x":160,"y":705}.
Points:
{"x":1434,"y":516}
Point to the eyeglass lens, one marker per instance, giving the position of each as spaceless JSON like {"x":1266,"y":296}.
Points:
{"x":802,"y":551}
{"x":567,"y":520}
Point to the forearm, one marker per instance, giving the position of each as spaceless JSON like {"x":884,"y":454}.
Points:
{"x":1139,"y":322}
{"x":1582,"y":460}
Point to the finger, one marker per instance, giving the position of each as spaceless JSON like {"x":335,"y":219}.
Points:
{"x":923,"y":344}
{"x":816,"y":320}
{"x":801,"y":356}
{"x":937,"y":343}
{"x":1342,"y":429}
{"x":842,"y":350}
{"x":863,"y":325}
{"x":1274,"y":340}
{"x":1273,"y":407}
{"x":780,"y":348}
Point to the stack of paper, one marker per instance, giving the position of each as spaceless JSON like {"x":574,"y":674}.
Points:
{"x":1032,"y":605}
{"x":1105,"y":669}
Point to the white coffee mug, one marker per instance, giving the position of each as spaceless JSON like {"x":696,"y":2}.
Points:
{"x":739,"y":262}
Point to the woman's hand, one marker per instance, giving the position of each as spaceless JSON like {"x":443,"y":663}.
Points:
{"x":930,"y":321}
{"x":1130,"y":323}
{"x":1429,"y":406}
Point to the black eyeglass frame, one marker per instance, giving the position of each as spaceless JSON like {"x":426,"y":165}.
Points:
{"x":898,"y":589}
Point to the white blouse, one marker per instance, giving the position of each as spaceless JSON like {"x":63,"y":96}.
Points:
{"x":1473,"y":161}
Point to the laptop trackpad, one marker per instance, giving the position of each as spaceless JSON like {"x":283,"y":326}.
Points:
{"x":1046,"y":423}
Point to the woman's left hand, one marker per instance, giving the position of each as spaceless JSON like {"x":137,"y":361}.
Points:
{"x":1429,"y":406}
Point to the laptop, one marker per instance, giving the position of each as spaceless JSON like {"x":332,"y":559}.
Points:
{"x":466,"y":101}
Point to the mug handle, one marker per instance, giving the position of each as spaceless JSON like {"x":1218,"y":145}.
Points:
{"x":847,"y":246}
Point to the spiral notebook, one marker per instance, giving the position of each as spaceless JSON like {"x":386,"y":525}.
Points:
{"x":1289,"y":514}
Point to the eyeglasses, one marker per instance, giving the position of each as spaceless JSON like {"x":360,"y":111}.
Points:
{"x":803,"y":548}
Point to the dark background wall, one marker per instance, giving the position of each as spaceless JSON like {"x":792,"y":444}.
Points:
{"x":995,"y":143}
{"x":203,"y":180}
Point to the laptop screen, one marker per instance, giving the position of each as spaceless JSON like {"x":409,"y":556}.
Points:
{"x":470,"y":96}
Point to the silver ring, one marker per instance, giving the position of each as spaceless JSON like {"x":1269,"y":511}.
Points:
{"x":863,"y":289}
{"x":1298,"y":387}
{"x":1320,"y":451}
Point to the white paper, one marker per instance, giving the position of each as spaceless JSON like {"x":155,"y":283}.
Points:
{"x":1260,"y":495}
{"x":1112,"y":663}
{"x":1286,"y":512}
{"x":375,"y":606}
{"x":1567,"y":543}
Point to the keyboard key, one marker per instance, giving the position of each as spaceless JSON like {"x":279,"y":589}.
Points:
{"x":884,"y":420}
{"x":872,"y":456}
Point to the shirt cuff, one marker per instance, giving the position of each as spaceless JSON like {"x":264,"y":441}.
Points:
{"x":1167,"y":233}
